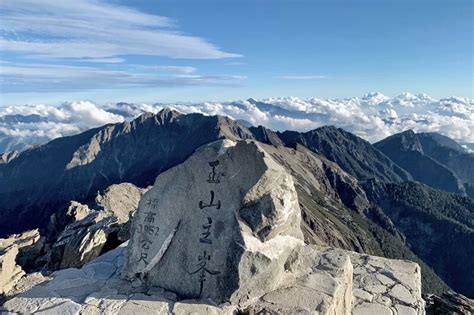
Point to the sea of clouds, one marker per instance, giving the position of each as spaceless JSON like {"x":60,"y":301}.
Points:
{"x":372,"y":117}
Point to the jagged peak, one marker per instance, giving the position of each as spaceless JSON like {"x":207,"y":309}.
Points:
{"x":164,"y":116}
{"x":167,"y":115}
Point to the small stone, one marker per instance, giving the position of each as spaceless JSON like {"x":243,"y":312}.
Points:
{"x":359,"y":270}
{"x":400,"y":293}
{"x":405,"y":310}
{"x":384,"y":300}
{"x":376,"y":288}
{"x":193,"y":307}
{"x":363,"y":295}
{"x":371,"y":309}
{"x":144,"y":304}
{"x":385,"y":280}
{"x":63,"y":308}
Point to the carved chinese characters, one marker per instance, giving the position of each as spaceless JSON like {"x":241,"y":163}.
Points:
{"x":198,"y":231}
{"x":214,"y":204}
{"x":147,"y":229}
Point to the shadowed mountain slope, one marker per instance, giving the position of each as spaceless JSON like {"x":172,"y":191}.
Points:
{"x":355,"y":155}
{"x":437,"y":226}
{"x":432,"y":159}
{"x":42,"y":180}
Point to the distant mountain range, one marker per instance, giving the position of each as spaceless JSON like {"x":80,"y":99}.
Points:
{"x":354,"y":195}
{"x":373,"y":116}
{"x":432,"y":159}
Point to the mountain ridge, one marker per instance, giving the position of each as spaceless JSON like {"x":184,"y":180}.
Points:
{"x":329,"y":187}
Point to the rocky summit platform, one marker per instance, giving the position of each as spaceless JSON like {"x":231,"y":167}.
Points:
{"x":220,"y":234}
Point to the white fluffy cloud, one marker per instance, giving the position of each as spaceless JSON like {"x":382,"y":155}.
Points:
{"x":373,"y":116}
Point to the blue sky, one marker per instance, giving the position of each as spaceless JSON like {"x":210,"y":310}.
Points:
{"x":172,"y":50}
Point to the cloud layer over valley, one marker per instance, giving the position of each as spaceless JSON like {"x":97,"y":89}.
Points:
{"x":373,"y":116}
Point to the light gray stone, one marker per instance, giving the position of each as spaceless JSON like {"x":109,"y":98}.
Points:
{"x":371,"y":309}
{"x":230,"y":237}
{"x":63,"y":308}
{"x":144,"y":308}
{"x":193,"y":307}
{"x":363,"y":295}
{"x":10,"y":271}
{"x":385,"y":280}
{"x":120,"y":200}
{"x":402,"y":294}
{"x":376,"y":288}
{"x":405,"y":310}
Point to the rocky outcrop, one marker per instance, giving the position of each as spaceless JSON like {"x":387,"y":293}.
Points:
{"x":8,"y":156}
{"x":233,"y":244}
{"x":332,"y":285}
{"x":119,"y":200}
{"x":386,"y":286}
{"x":89,"y":233}
{"x":16,"y":247}
{"x":94,"y":231}
{"x":449,"y":302}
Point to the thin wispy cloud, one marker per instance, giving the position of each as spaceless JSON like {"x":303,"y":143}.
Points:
{"x":176,"y":69}
{"x":104,"y":60}
{"x":18,"y":77}
{"x":77,"y":45}
{"x":301,"y":77}
{"x":94,"y":29}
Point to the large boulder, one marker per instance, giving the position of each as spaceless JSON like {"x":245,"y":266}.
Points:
{"x":223,"y":225}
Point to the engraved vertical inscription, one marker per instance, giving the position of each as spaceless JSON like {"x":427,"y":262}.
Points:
{"x":146,"y":230}
{"x":205,"y":238}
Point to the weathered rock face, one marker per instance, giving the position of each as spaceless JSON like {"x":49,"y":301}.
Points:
{"x":119,"y":200}
{"x":10,"y":249}
{"x":92,"y":231}
{"x":385,"y":286}
{"x":222,"y":225}
{"x":8,"y":156}
{"x":449,"y":302}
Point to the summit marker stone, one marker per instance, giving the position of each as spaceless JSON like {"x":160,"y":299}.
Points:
{"x":221,"y":225}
